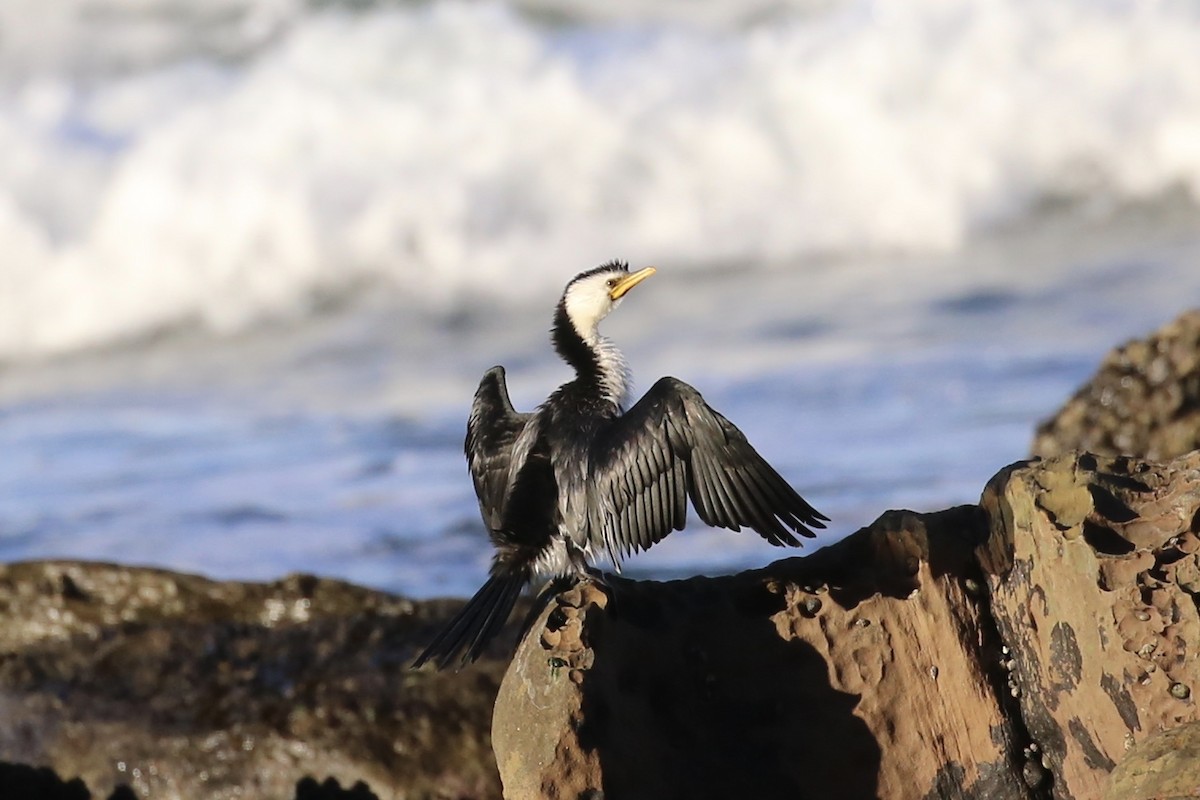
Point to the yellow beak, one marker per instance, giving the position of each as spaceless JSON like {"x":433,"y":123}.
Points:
{"x":629,"y":281}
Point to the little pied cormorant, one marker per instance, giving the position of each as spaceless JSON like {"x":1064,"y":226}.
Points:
{"x":580,"y":476}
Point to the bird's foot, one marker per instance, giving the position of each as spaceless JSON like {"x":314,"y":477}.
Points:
{"x":551,"y":589}
{"x":571,"y":590}
{"x":605,"y":583}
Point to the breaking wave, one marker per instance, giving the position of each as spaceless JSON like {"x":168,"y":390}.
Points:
{"x":224,"y":163}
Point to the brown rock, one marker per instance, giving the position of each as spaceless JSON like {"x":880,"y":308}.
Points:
{"x":1164,"y":766}
{"x":1015,"y":651}
{"x":1144,"y":400}
{"x":1099,"y":627}
{"x":180,"y":687}
{"x":863,"y":670}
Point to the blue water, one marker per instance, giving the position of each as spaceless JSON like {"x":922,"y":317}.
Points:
{"x":334,"y":446}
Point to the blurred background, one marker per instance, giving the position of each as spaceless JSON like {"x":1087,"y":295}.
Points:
{"x":257,"y":253}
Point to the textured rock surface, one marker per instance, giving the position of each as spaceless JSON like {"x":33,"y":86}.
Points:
{"x":1144,"y":400}
{"x":180,"y":687}
{"x":1011,"y":651}
{"x":1093,"y":573}
{"x":865,"y":669}
{"x":1165,"y":766}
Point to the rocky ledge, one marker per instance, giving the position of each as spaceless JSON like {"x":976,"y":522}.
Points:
{"x":146,"y":683}
{"x":1022,"y":648}
{"x":1144,"y":400}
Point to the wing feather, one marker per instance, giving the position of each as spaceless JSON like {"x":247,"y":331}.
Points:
{"x":702,"y":500}
{"x":757,"y":505}
{"x":726,"y":516}
{"x":672,"y":447}
{"x":493,"y":430}
{"x":679,"y":492}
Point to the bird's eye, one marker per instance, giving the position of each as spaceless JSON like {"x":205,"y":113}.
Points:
{"x":612,"y":282}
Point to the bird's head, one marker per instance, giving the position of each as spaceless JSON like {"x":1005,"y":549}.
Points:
{"x":592,"y":295}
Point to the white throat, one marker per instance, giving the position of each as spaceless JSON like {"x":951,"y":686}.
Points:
{"x":614,"y":371}
{"x":587,"y":304}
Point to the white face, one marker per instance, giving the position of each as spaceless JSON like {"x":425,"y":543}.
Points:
{"x":588,"y":301}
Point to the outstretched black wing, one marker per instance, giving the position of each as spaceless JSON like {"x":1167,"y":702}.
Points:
{"x":493,"y":448}
{"x":492,"y":432}
{"x":670,"y":446}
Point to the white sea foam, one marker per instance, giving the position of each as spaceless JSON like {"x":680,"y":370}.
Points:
{"x":223,"y":163}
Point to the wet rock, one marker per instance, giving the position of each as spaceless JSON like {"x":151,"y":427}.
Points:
{"x":180,"y":687}
{"x":1144,"y":400}
{"x":1011,"y":650}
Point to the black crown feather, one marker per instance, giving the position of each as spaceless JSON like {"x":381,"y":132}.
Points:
{"x":611,"y":266}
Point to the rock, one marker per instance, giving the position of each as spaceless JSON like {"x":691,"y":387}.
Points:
{"x":1144,"y":401}
{"x":23,"y":781}
{"x":1165,"y":766}
{"x":309,"y":789}
{"x":856,"y":672}
{"x":1099,"y":625}
{"x":1011,"y":650}
{"x":180,"y":687}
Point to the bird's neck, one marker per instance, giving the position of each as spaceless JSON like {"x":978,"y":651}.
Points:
{"x":598,"y":364}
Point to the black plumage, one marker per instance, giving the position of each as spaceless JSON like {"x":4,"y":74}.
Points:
{"x":580,"y":476}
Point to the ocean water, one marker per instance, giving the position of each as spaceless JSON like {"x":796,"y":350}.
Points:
{"x":257,"y":254}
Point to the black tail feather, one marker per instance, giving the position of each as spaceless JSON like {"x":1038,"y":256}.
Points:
{"x":478,"y":622}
